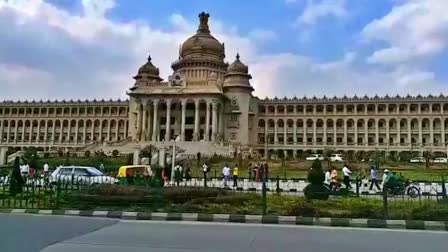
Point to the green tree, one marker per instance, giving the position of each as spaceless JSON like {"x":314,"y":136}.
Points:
{"x":327,"y":155}
{"x":115,"y":153}
{"x":87,"y":154}
{"x":316,"y":178}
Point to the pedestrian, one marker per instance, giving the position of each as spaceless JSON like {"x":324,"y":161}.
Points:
{"x":256,"y":172}
{"x":226,"y":174}
{"x":178,"y":174}
{"x":328,"y":177}
{"x":373,"y":178}
{"x":334,"y":178}
{"x":205,"y":171}
{"x":46,"y":169}
{"x":101,"y":167}
{"x":235,"y":175}
{"x":347,"y":174}
{"x":266,"y":171}
{"x":187,"y":173}
{"x":17,"y":181}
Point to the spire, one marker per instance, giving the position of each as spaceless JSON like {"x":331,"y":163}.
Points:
{"x":203,"y":23}
{"x":149,"y":57}
{"x":238,"y":56}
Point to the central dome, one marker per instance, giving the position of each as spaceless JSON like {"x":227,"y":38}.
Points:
{"x":202,"y":43}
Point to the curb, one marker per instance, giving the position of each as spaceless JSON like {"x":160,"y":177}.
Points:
{"x":235,"y":218}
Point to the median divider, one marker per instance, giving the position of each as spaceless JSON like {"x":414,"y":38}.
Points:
{"x":237,"y":218}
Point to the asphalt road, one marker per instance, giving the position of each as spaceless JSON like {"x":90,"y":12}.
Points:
{"x":73,"y":234}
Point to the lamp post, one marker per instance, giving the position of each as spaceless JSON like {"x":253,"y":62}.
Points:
{"x":173,"y":158}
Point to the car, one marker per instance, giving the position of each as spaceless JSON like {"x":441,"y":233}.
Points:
{"x":313,"y":157}
{"x":337,"y":158}
{"x":80,"y":175}
{"x":417,"y":160}
{"x":441,"y":160}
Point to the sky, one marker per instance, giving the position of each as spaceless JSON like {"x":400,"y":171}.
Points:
{"x":90,"y":49}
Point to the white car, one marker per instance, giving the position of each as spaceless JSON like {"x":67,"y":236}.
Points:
{"x":337,"y":158}
{"x":441,"y":160}
{"x":314,"y":157}
{"x":80,"y":175}
{"x":417,"y":160}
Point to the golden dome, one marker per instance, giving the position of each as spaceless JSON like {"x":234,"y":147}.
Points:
{"x":202,"y":43}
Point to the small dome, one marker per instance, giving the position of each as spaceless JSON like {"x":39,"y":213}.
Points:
{"x":149,"y":69}
{"x":202,"y":43}
{"x":237,"y":66}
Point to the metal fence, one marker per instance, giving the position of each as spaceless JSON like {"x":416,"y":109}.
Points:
{"x":246,"y":196}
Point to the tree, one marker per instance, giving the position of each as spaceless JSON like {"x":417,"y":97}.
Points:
{"x":115,"y":153}
{"x":87,"y":154}
{"x":428,"y":157}
{"x":327,"y":155}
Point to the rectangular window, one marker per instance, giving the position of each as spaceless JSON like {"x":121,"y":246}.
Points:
{"x":233,"y":117}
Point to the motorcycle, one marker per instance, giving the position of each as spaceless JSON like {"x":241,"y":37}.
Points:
{"x":405,"y":187}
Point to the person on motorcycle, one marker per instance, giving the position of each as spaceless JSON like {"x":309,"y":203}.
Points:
{"x":390,"y":180}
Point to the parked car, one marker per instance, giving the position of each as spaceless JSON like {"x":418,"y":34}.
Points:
{"x":314,"y":157}
{"x":80,"y":175}
{"x":337,"y":158}
{"x":441,"y":160}
{"x":417,"y":160}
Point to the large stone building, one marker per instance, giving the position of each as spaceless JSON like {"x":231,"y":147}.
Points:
{"x":207,"y":103}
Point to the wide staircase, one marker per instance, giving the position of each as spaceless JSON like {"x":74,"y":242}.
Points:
{"x":187,"y":148}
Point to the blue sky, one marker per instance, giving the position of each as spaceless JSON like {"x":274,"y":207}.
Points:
{"x":90,"y":48}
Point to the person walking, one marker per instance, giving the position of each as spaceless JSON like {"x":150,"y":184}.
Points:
{"x":346,"y":171}
{"x":205,"y":170}
{"x":373,"y":178}
{"x":235,"y":174}
{"x":327,"y":180}
{"x":226,"y":174}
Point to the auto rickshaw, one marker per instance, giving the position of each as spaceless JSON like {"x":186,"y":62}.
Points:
{"x":130,"y":173}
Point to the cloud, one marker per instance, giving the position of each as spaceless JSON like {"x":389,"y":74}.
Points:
{"x":413,"y":30}
{"x":316,"y":10}
{"x":50,"y":53}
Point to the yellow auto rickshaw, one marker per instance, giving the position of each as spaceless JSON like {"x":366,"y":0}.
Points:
{"x":129,"y":173}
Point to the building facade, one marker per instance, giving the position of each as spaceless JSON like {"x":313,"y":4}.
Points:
{"x":208,"y":100}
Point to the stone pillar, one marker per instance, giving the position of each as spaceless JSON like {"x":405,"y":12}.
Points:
{"x":377,"y":131}
{"x":355,"y":125}
{"x":387,"y":131}
{"x":23,"y":132}
{"x":1,"y":131}
{"x":76,"y":132}
{"x":168,"y":121}
{"x":139,"y":121}
{"x":93,"y":131}
{"x":108,"y":128}
{"x":46,"y":133}
{"x":409,"y":132}
{"x":275,"y":132}
{"x":136,"y":159}
{"x":285,"y":132}
{"x":345,"y":128}
{"x":431,"y":129}
{"x":366,"y":131}
{"x":266,"y":139}
{"x":117,"y":131}
{"x":295,"y":132}
{"x":442,"y":131}
{"x":84,"y":136}
{"x":3,"y":157}
{"x":148,"y":123}
{"x":214,"y":120}
{"x":207,"y":122}
{"x":8,"y":132}
{"x":314,"y":129}
{"x":182,"y":126}
{"x":325,"y":128}
{"x":196,"y":121}
{"x":221,"y":122}
{"x":399,"y":132}
{"x":155,"y":120}
{"x":144,"y":122}
{"x":335,"y":139}
{"x":420,"y":135}
{"x":53,"y":132}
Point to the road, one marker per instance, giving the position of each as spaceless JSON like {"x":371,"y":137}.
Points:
{"x":28,"y":233}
